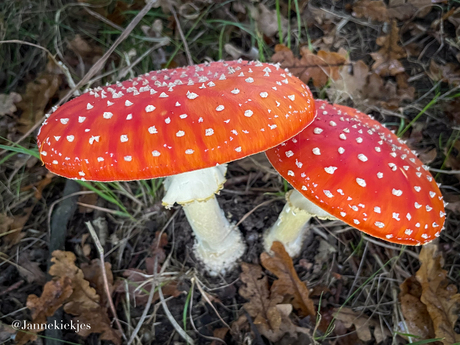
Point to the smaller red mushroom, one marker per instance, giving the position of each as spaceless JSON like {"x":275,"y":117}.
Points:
{"x":348,"y":166}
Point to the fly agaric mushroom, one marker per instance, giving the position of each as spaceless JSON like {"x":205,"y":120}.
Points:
{"x":348,"y":166}
{"x":185,"y":122}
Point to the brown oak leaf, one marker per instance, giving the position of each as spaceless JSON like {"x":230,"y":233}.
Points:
{"x":319,"y":67}
{"x":441,"y":298}
{"x":288,"y":282}
{"x":374,"y":10}
{"x":387,"y":58}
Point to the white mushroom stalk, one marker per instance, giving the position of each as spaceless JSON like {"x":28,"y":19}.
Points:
{"x":218,"y":243}
{"x":292,"y":225}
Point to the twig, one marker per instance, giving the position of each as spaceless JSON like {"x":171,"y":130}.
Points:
{"x":147,"y":306}
{"x":173,"y":321}
{"x":255,"y":208}
{"x":184,"y":41}
{"x":104,"y":276}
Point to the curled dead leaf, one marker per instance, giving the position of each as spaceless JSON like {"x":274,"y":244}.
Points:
{"x":387,"y":58}
{"x":372,"y":9}
{"x":288,"y":282}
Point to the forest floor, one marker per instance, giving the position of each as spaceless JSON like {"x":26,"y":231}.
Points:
{"x":397,"y":60}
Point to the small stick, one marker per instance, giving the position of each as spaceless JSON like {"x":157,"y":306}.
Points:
{"x":184,"y":41}
{"x":104,"y":275}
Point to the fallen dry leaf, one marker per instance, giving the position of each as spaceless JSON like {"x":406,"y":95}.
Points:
{"x":387,"y":58}
{"x":84,"y":303}
{"x":319,"y":67}
{"x":54,"y":294}
{"x":441,"y":298}
{"x":37,"y":96}
{"x":288,"y":282}
{"x":7,"y":103}
{"x":30,"y":270}
{"x":363,"y":325}
{"x":418,"y":320}
{"x":405,"y":9}
{"x":267,"y":21}
{"x":13,"y":233}
{"x":70,"y":289}
{"x":262,"y":305}
{"x":448,"y":73}
{"x":374,"y":10}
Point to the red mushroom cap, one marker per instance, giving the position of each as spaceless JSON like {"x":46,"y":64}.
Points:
{"x":360,"y":172}
{"x":173,"y":121}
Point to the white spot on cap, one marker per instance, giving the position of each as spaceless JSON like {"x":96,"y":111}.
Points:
{"x":379,"y":224}
{"x":417,"y":188}
{"x":396,"y":192}
{"x":57,"y":137}
{"x":359,"y":140}
{"x":123,"y":138}
{"x":289,"y":153}
{"x":361,"y":182}
{"x":343,"y":214}
{"x":152,"y":130}
{"x":64,"y":121}
{"x":249,"y":80}
{"x":328,"y":193}
{"x":155,"y":153}
{"x":70,"y":138}
{"x":408,"y":216}
{"x":317,"y":130}
{"x":81,"y":173}
{"x":341,"y":150}
{"x":128,"y":158}
{"x":238,"y":149}
{"x":235,"y":91}
{"x":180,"y":134}
{"x":191,"y":95}
{"x":362,"y":157}
{"x":55,"y":162}
{"x":290,"y":173}
{"x":396,"y":216}
{"x":248,"y":113}
{"x":408,"y":232}
{"x":380,"y":175}
{"x":167,"y":120}
{"x":163,"y":95}
{"x":128,"y":103}
{"x":429,"y":208}
{"x":264,"y":94}
{"x":81,"y":119}
{"x":209,"y":131}
{"x":377,"y":209}
{"x":110,"y":103}
{"x":107,"y":115}
{"x":100,"y":159}
{"x":129,"y":117}
{"x":220,"y":108}
{"x":389,"y":236}
{"x":342,"y":136}
{"x":291,"y":97}
{"x":330,"y":170}
{"x":432,"y":194}
{"x":89,"y":106}
{"x":378,"y":149}
{"x":149,"y":108}
{"x":44,"y":153}
{"x":417,"y":205}
{"x":189,"y":151}
{"x":183,"y":116}
{"x":316,"y":151}
{"x":93,"y":139}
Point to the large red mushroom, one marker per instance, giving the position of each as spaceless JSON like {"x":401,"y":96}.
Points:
{"x":184,"y":123}
{"x":348,"y":166}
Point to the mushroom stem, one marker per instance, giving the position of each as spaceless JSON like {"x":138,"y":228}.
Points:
{"x":292,"y":224}
{"x":218,"y":243}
